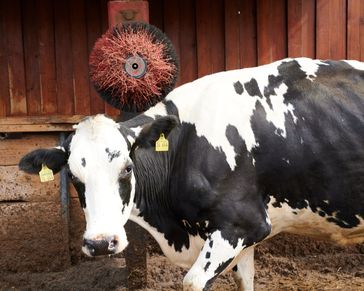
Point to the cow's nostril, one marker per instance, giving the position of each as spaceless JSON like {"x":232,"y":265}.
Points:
{"x":99,"y":247}
{"x":90,"y":246}
{"x":113,"y":244}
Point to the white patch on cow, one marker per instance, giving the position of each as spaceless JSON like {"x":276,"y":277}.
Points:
{"x":101,"y":177}
{"x":186,"y":257}
{"x":355,"y":64}
{"x":159,"y":109}
{"x":204,"y":268}
{"x":305,"y":222}
{"x":211,"y":104}
{"x":310,"y":67}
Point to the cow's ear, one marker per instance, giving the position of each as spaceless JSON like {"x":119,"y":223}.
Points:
{"x":54,"y":159}
{"x":152,"y":132}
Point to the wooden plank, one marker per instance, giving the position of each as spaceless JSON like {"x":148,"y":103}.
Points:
{"x":248,"y":33}
{"x":355,"y":30}
{"x":16,"y":185}
{"x":79,"y":57}
{"x":64,"y":68}
{"x":203,"y":28}
{"x":35,"y":127}
{"x":232,"y":34}
{"x":42,"y":119}
{"x":187,"y":44}
{"x":217,"y":35}
{"x":31,"y":56}
{"x":271,"y":20}
{"x":13,"y":149}
{"x":15,"y":54}
{"x":156,"y":13}
{"x":301,"y":28}
{"x":93,"y":22}
{"x":331,"y":29}
{"x":47,"y":61}
{"x":4,"y":77}
{"x":172,"y":24}
{"x":26,"y":228}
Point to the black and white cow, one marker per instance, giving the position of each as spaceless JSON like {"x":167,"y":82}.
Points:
{"x":252,"y":152}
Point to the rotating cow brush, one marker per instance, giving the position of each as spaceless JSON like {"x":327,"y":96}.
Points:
{"x":133,"y":66}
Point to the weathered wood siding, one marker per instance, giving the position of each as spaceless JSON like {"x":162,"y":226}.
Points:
{"x":45,"y":43}
{"x":44,"y":48}
{"x":217,"y":35}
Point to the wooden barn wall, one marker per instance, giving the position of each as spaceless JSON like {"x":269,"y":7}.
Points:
{"x":44,"y":48}
{"x":45,"y":43}
{"x":211,"y":36}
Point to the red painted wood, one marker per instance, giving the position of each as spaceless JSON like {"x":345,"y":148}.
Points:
{"x":93,"y":23}
{"x":4,"y":78}
{"x":187,"y":44}
{"x":156,"y":13}
{"x":171,"y":10}
{"x":355,"y":30}
{"x":79,"y":57}
{"x":31,"y":57}
{"x":248,"y":33}
{"x":121,"y":11}
{"x":12,"y":25}
{"x":64,"y":66}
{"x":331,"y":29}
{"x":47,"y":64}
{"x":272,"y":39}
{"x":216,"y":35}
{"x":301,"y":28}
{"x":232,"y":34}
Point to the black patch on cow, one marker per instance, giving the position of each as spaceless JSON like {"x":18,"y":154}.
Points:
{"x":83,"y":162}
{"x":252,"y":88}
{"x":273,"y":83}
{"x":327,"y":165}
{"x":112,"y":154}
{"x":208,"y":255}
{"x":218,"y":270}
{"x":179,"y":185}
{"x":235,"y":268}
{"x":211,"y":243}
{"x":125,"y":190}
{"x":294,"y":212}
{"x":207,"y":266}
{"x":223,"y":266}
{"x":239,"y":89}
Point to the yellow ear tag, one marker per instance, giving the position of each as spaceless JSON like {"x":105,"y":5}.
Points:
{"x":46,"y":174}
{"x":162,"y":144}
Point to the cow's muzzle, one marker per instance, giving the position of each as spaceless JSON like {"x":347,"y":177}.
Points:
{"x":105,"y":246}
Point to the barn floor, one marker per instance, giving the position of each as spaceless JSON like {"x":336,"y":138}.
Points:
{"x":283,"y":264}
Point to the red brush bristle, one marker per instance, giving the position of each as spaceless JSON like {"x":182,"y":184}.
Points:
{"x":107,"y":67}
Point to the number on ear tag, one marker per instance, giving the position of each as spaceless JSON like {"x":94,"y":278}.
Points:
{"x":46,"y":174}
{"x":162,"y":144}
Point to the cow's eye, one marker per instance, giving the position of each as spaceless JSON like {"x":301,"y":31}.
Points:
{"x":128,"y":169}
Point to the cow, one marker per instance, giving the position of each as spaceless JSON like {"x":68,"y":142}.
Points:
{"x":252,"y":152}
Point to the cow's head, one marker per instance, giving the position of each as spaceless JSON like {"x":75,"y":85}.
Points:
{"x":98,"y":159}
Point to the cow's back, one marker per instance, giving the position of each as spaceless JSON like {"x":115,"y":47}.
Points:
{"x":301,"y":123}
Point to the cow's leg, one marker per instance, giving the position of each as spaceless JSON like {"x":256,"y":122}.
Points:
{"x":244,"y":271}
{"x":216,"y":255}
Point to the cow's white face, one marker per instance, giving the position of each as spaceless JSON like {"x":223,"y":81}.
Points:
{"x":99,"y":159}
